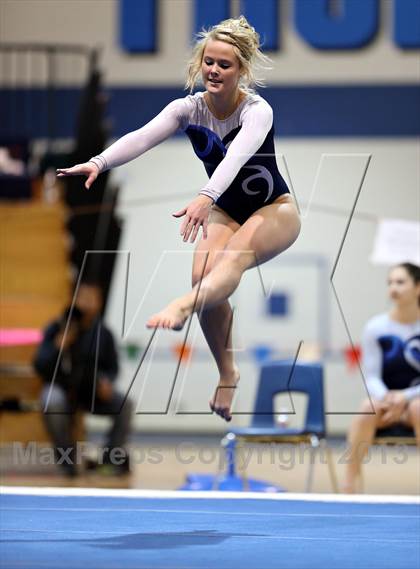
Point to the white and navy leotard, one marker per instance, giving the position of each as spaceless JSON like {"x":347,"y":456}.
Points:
{"x":238,"y":152}
{"x":391,"y":357}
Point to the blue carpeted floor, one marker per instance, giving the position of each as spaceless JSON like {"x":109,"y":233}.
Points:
{"x":72,"y":532}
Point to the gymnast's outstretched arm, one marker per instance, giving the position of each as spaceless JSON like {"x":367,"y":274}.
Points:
{"x":132,"y":144}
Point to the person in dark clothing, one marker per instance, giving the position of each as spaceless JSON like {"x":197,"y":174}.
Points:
{"x":78,"y":363}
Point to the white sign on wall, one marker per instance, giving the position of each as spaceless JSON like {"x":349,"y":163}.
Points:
{"x":396,"y":241}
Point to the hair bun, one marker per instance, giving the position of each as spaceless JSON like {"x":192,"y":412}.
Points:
{"x":242,"y":21}
{"x":254,"y":36}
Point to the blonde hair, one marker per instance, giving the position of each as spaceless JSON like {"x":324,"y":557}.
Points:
{"x":246,"y":45}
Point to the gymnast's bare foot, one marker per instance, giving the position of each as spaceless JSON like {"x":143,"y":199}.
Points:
{"x":173,"y":317}
{"x":223,"y":397}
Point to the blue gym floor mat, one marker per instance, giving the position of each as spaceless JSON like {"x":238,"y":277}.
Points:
{"x":99,"y":529}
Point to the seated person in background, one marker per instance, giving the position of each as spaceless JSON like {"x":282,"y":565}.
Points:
{"x":391,"y":366}
{"x":70,"y":384}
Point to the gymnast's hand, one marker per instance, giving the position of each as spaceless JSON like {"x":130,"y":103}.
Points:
{"x":88,"y":169}
{"x":196,"y":215}
{"x":394,"y":404}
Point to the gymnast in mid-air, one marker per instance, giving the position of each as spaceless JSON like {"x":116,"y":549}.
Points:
{"x":245,"y":211}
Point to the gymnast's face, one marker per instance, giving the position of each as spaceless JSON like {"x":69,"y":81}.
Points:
{"x":220,"y":68}
{"x":401,"y":286}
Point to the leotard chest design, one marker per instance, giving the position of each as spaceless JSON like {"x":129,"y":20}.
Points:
{"x":238,"y":153}
{"x":258,"y":182}
{"x":391,"y":356}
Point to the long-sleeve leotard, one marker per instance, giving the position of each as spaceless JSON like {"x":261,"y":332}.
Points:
{"x":391,"y":357}
{"x":256,"y":119}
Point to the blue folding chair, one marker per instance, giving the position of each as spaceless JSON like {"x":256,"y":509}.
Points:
{"x":286,"y":377}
